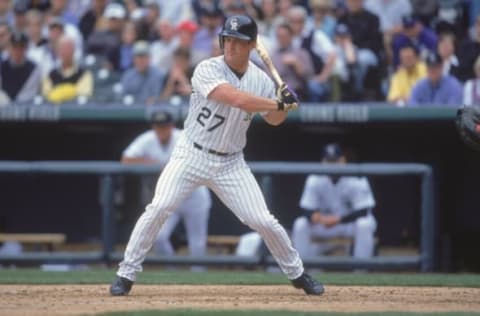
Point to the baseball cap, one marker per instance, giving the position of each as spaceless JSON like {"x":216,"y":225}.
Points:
{"x":141,"y":48}
{"x":188,"y":26}
{"x":409,"y":21}
{"x":115,"y":11}
{"x":342,"y":30}
{"x":18,"y":39}
{"x":332,"y":152}
{"x":433,"y":59}
{"x":161,"y":117}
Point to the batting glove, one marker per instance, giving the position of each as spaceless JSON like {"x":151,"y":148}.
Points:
{"x":286,"y":99}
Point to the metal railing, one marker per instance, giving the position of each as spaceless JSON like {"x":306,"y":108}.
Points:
{"x":107,"y":170}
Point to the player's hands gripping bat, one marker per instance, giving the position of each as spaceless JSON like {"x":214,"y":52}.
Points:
{"x":286,"y":98}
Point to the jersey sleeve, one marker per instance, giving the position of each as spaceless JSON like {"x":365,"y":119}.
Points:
{"x":207,"y":76}
{"x":361,"y":195}
{"x":310,"y":199}
{"x":138,"y":148}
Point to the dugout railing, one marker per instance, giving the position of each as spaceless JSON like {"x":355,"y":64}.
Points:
{"x":107,"y":170}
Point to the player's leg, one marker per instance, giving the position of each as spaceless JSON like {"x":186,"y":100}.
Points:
{"x":174,"y":184}
{"x":162,"y":244}
{"x":240,"y":192}
{"x":364,"y":240}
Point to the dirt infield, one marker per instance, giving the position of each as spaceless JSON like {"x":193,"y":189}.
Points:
{"x":91,"y":299}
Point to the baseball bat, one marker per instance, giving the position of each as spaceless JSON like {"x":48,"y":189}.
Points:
{"x":263,"y":53}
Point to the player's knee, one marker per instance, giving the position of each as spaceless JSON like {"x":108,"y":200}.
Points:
{"x":300,"y":224}
{"x":365,"y":225}
{"x":263,"y":223}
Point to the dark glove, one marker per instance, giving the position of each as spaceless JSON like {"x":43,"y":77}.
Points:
{"x":468,"y":126}
{"x":286,"y":99}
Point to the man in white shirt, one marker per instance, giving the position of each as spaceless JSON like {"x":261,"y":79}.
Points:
{"x":335,"y":207}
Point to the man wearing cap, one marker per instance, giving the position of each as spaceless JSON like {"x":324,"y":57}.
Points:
{"x":335,"y":207}
{"x":155,"y":147}
{"x":19,"y":77}
{"x":143,"y":82}
{"x":106,"y":43}
{"x":437,"y":88}
{"x":414,"y":33}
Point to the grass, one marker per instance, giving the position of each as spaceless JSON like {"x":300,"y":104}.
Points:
{"x":272,"y":313}
{"x":104,"y":276}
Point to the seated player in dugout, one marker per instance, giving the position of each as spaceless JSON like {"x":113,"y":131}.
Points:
{"x":335,"y":206}
{"x":155,"y":146}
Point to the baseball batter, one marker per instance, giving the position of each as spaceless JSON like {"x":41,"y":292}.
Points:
{"x":335,"y":207}
{"x":227,"y":91}
{"x":156,"y":146}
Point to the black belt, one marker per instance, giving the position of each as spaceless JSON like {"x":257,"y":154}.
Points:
{"x":210,"y":151}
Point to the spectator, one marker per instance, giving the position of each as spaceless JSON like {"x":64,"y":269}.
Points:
{"x":390,"y":13}
{"x":20,"y":9}
{"x":211,"y":20}
{"x":365,"y":30}
{"x":268,"y":18}
{"x":40,"y":5}
{"x":93,"y":20}
{"x":129,"y":37}
{"x":471,"y":91}
{"x":293,"y":64}
{"x":186,"y":34}
{"x":410,"y":71}
{"x":178,"y":77}
{"x":155,"y":147}
{"x":335,"y":206}
{"x":38,"y":47}
{"x":6,"y":12}
{"x":320,"y":49}
{"x":163,"y":48}
{"x":68,"y":80}
{"x":5,"y":32}
{"x":414,"y":33}
{"x":19,"y":77}
{"x":178,"y":10}
{"x":347,"y":68}
{"x":322,"y":18}
{"x":437,"y":88}
{"x":106,"y":43}
{"x":143,"y":83}
{"x":152,"y":15}
{"x":468,"y":53}
{"x":69,"y":30}
{"x":425,"y":10}
{"x":446,"y":50}
{"x":59,"y":8}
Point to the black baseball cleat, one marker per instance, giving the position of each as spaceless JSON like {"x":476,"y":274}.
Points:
{"x":120,"y":286}
{"x":308,"y":284}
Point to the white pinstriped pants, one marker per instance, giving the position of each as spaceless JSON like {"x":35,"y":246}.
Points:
{"x":233,"y":182}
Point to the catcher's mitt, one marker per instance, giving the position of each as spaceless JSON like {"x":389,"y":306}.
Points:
{"x":468,"y":125}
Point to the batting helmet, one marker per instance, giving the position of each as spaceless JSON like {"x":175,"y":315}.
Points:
{"x":239,"y":26}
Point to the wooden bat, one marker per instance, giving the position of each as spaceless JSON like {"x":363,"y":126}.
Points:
{"x":263,"y":53}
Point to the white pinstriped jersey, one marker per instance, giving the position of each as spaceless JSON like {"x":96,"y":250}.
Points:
{"x":214,"y":125}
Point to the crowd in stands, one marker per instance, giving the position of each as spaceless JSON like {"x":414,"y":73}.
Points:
{"x":143,"y":52}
